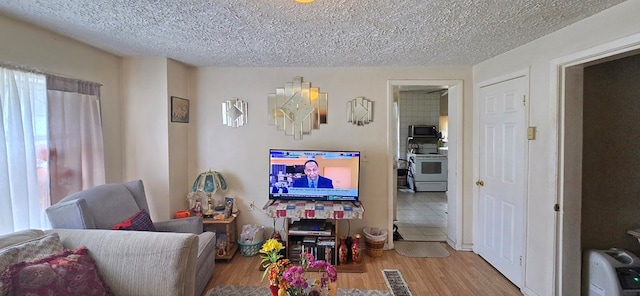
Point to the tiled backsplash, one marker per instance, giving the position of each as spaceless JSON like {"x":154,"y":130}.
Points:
{"x":417,"y":108}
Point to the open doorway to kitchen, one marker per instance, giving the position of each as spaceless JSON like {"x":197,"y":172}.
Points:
{"x":425,"y":199}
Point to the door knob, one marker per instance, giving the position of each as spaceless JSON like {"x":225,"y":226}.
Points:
{"x":480,"y":183}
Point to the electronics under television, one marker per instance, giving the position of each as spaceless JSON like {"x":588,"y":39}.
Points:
{"x":288,"y":180}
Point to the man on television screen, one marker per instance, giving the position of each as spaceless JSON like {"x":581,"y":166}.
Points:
{"x":312,"y":179}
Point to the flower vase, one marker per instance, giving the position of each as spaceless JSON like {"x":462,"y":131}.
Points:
{"x":274,"y":290}
{"x":355,"y":249}
{"x":342,"y":251}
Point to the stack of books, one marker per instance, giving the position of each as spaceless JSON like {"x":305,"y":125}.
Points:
{"x":295,"y":250}
{"x":326,"y":246}
{"x":309,"y":245}
{"x":322,"y":248}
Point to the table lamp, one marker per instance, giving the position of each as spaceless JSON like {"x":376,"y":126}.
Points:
{"x":209,"y":182}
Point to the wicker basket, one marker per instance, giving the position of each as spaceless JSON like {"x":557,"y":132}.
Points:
{"x":374,"y":248}
{"x":250,"y":249}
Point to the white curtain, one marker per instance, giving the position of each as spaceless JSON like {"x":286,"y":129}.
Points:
{"x":23,"y":197}
{"x":75,"y":139}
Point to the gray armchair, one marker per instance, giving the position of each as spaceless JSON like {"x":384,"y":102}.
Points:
{"x":104,"y":206}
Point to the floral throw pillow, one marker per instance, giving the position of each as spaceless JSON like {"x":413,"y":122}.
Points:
{"x":72,"y":272}
{"x":28,"y":250}
{"x":140,"y":221}
{"x":32,"y":249}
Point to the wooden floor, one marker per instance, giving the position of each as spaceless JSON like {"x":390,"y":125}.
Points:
{"x":462,"y":273}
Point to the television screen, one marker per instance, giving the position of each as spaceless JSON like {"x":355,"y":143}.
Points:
{"x":314,"y":174}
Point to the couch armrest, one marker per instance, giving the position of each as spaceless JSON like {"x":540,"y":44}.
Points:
{"x":139,"y":262}
{"x":185,"y":225}
{"x":72,"y":214}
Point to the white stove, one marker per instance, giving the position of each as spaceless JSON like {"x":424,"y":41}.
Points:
{"x":427,"y":172}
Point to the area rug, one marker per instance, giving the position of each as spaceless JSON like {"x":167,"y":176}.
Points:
{"x":264,"y":291}
{"x":395,"y":282}
{"x":409,"y":234}
{"x":421,"y":249}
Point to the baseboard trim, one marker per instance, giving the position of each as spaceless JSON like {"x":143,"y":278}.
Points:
{"x":452,"y":244}
{"x":528,"y":292}
{"x":467,"y":247}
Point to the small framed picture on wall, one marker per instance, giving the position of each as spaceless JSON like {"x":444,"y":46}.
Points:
{"x":179,"y":110}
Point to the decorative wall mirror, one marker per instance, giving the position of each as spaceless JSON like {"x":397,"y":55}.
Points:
{"x":234,"y":112}
{"x":297,"y":108}
{"x":360,"y":111}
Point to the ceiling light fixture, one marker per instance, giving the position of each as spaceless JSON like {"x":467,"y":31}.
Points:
{"x":304,"y":1}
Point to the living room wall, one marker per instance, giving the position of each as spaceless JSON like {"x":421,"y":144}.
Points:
{"x":146,"y":130}
{"x":138,"y":133}
{"x":537,"y":56}
{"x":179,"y":79}
{"x":241,"y":154}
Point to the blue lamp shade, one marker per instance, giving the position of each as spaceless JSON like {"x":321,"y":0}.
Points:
{"x":209,"y":182}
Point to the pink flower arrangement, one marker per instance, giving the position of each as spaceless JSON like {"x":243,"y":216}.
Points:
{"x":299,"y":285}
{"x":288,"y":279}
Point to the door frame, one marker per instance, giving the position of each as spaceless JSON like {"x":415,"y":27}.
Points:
{"x":454,"y":232}
{"x":568,"y":188}
{"x":476,"y":158}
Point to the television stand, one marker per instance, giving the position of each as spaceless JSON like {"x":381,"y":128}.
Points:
{"x":331,"y":211}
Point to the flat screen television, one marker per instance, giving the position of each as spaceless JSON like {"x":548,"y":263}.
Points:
{"x":314,"y":175}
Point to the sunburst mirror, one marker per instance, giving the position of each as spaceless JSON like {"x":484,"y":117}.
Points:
{"x":297,"y":108}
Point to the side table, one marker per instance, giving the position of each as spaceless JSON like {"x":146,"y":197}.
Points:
{"x":230,"y":229}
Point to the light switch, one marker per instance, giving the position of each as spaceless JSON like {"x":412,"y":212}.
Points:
{"x":531,"y":133}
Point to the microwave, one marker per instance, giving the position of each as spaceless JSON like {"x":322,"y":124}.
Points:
{"x":423,"y":131}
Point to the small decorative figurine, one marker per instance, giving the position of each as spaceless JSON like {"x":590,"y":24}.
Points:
{"x":197,"y":209}
{"x":277,"y":236}
{"x":222,"y":250}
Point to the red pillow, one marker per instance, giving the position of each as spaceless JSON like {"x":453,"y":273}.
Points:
{"x":72,"y":272}
{"x":140,"y":221}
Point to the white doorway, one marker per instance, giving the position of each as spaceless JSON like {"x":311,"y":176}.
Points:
{"x":499,"y":233}
{"x":453,"y":234}
{"x":572,"y":101}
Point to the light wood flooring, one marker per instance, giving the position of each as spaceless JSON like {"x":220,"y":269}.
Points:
{"x":462,"y":273}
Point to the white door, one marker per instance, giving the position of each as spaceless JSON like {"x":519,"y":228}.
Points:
{"x":501,"y":184}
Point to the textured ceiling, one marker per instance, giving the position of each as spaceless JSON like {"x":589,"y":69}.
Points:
{"x":331,"y":33}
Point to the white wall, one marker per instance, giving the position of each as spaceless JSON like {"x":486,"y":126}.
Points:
{"x":179,"y":177}
{"x":28,"y":46}
{"x":241,"y":154}
{"x":146,"y":130}
{"x":604,"y":27}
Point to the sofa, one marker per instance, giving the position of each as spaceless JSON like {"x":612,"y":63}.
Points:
{"x":107,"y":206}
{"x":129,"y":262}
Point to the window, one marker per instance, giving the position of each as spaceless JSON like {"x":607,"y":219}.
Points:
{"x":23,"y":159}
{"x":51,"y":144}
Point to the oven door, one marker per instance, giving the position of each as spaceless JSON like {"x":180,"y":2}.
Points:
{"x":429,"y":169}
